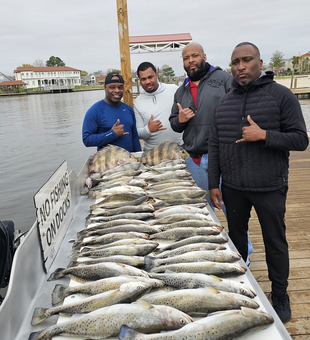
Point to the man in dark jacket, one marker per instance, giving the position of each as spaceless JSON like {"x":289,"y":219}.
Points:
{"x":254,"y":127}
{"x":193,"y":108}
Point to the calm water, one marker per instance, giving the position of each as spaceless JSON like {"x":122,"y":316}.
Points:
{"x":39,"y":132}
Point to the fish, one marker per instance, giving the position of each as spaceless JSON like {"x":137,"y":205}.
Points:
{"x":123,"y":210}
{"x":119,"y":189}
{"x":204,"y":267}
{"x":96,"y":272}
{"x":118,"y":200}
{"x":129,"y":250}
{"x":132,"y":165}
{"x":108,"y":158}
{"x":163,"y":151}
{"x":126,"y":293}
{"x":121,"y":242}
{"x":171,"y":202}
{"x":110,"y":238}
{"x":139,"y":228}
{"x":226,"y":256}
{"x":135,"y":261}
{"x":162,"y":169}
{"x":168,"y":163}
{"x":107,"y":321}
{"x":219,"y":239}
{"x":119,"y":174}
{"x":177,"y":234}
{"x":60,"y":291}
{"x":133,"y":216}
{"x":178,"y":193}
{"x":181,"y":217}
{"x":177,"y":174}
{"x":196,"y":280}
{"x":216,"y":326}
{"x":200,"y":300}
{"x":190,"y":247}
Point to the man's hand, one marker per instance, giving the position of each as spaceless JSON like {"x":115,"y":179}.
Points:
{"x":216,"y":198}
{"x":119,"y":129}
{"x":155,"y":125}
{"x":252,"y":133}
{"x":185,"y":114}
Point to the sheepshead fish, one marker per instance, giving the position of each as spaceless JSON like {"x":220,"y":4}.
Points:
{"x":216,"y":326}
{"x":127,"y":292}
{"x":200,"y":300}
{"x":96,"y":271}
{"x":107,"y":321}
{"x":163,"y":151}
{"x":60,"y":291}
{"x":205,"y":267}
{"x":108,"y":158}
{"x":195,"y":280}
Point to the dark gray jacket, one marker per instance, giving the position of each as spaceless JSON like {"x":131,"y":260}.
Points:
{"x":215,"y":84}
{"x":255,"y":166}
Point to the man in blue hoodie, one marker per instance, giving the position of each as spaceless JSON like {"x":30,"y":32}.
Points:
{"x":152,"y":108}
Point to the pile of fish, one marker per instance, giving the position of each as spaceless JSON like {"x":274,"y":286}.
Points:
{"x":150,"y":258}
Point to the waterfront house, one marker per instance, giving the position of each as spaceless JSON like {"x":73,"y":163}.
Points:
{"x":49,"y":78}
{"x":304,"y":62}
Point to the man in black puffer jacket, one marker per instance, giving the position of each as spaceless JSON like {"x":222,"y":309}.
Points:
{"x":254,"y":128}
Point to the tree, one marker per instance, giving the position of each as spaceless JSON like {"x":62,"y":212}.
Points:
{"x":168,"y":71}
{"x":295,"y":61}
{"x":54,"y":61}
{"x":276,"y":60}
{"x":26,"y":65}
{"x":38,"y":63}
{"x":84,"y":73}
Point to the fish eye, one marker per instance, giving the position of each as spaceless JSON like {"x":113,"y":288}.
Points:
{"x":182,"y":322}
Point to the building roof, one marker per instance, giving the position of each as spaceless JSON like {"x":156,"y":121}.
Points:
{"x":305,"y":55}
{"x":12,"y":82}
{"x":159,"y":38}
{"x":45,"y":69}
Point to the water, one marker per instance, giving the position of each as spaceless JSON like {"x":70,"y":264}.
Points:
{"x":39,"y":132}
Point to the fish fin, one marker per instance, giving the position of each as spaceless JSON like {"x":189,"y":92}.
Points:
{"x":75,"y":255}
{"x":215,"y":277}
{"x":36,"y":335}
{"x":127,"y":333}
{"x":144,"y":304}
{"x":73,"y":264}
{"x":57,"y":274}
{"x":59,"y":294}
{"x":218,"y":248}
{"x":39,"y":315}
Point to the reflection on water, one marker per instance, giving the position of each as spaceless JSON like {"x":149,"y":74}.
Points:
{"x":39,"y":132}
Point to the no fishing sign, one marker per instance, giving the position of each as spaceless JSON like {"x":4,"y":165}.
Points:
{"x":54,"y":212}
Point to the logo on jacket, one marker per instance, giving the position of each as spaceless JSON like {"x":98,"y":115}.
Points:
{"x":215,"y":82}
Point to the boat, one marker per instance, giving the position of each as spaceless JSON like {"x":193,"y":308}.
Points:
{"x":28,"y":287}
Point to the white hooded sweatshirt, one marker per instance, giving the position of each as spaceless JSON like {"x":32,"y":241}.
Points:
{"x":159,"y":105}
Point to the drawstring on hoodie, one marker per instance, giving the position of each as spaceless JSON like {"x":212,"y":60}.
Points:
{"x":154,"y":100}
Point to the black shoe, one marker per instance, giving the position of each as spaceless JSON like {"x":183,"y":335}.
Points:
{"x":281,"y":304}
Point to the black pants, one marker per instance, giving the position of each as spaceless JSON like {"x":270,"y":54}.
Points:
{"x":270,"y":209}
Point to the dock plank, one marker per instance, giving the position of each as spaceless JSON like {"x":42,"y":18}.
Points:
{"x":297,"y":221}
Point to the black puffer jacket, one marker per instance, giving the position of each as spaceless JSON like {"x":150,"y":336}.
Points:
{"x":215,"y":84}
{"x":255,"y":166}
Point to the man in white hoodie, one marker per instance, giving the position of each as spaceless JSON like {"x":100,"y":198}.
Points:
{"x":153,"y":107}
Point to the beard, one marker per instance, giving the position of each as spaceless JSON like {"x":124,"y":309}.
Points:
{"x":195,"y":75}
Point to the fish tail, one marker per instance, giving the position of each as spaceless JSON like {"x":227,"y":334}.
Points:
{"x":149,"y":262}
{"x":58,"y":273}
{"x":75,"y":255}
{"x":41,"y":335}
{"x":59,"y":294}
{"x":127,"y":333}
{"x":38,"y":316}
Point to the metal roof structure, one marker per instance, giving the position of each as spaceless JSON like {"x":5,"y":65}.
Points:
{"x":159,"y":43}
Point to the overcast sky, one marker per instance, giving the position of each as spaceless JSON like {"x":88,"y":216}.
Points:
{"x":84,"y":34}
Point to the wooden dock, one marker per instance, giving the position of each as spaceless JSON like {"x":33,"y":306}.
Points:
{"x":298,"y":236}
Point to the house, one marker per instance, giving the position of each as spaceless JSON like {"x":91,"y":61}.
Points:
{"x":10,"y":86}
{"x":57,"y":77}
{"x":90,"y":79}
{"x":304,"y":62}
{"x":100,"y":80}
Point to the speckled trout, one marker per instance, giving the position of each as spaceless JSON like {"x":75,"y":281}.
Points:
{"x":107,"y":321}
{"x":216,"y":326}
